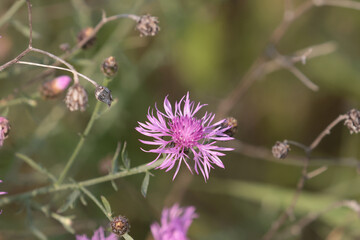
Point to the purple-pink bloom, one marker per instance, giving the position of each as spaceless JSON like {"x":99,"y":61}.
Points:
{"x":2,"y":193}
{"x":99,"y":234}
{"x":175,"y":222}
{"x":179,"y":134}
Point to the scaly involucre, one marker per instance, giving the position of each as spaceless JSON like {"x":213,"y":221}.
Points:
{"x":175,"y":222}
{"x":182,"y":137}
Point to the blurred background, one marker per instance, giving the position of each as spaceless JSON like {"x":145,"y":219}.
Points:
{"x":204,"y":47}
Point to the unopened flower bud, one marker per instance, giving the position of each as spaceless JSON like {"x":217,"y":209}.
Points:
{"x":76,"y":98}
{"x":103,"y":94}
{"x":120,"y":225}
{"x":148,"y":25}
{"x":280,"y":150}
{"x":55,"y":87}
{"x":353,"y":121}
{"x":109,"y":67}
{"x":231,"y":124}
{"x":4,"y":129}
{"x":85,"y":33}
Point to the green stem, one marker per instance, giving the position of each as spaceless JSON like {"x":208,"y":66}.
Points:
{"x":35,"y":166}
{"x":94,"y":116}
{"x":92,"y":197}
{"x":56,"y":188}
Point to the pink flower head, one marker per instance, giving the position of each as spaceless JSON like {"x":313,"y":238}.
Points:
{"x":175,"y":222}
{"x":99,"y":234}
{"x":4,"y":129}
{"x":2,"y":193}
{"x":61,"y":82}
{"x":181,"y":137}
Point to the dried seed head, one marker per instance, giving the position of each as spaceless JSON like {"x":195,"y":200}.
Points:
{"x":55,"y":87}
{"x":109,"y":67}
{"x":120,"y":225}
{"x":280,"y":150}
{"x":103,"y":94}
{"x":353,"y":121}
{"x":148,"y":25}
{"x":85,"y":33}
{"x":232,"y":124}
{"x":76,"y":98}
{"x":4,"y":129}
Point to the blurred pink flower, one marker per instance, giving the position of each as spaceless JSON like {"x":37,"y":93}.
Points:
{"x":180,"y":134}
{"x":4,"y":129}
{"x":99,"y":234}
{"x":175,"y":222}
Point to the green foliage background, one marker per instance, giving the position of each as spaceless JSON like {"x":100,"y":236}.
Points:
{"x":204,"y":47}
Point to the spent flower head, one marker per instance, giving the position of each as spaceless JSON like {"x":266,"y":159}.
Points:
{"x":4,"y":129}
{"x":175,"y":222}
{"x":109,"y":66}
{"x":184,"y":138}
{"x":280,"y":150}
{"x":103,"y":94}
{"x":76,"y":98}
{"x":148,"y":25}
{"x":120,"y":225}
{"x":99,"y":234}
{"x":353,"y":121}
{"x":84,"y":34}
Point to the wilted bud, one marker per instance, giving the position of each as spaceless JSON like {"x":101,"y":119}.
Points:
{"x":353,"y":121}
{"x":120,"y":225}
{"x":280,"y":150}
{"x":232,"y":124}
{"x":76,"y":98}
{"x":103,"y":94}
{"x":109,"y":67}
{"x":4,"y":129}
{"x":55,"y":87}
{"x":85,"y":33}
{"x":148,"y":25}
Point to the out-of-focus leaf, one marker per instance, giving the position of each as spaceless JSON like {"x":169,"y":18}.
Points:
{"x":70,"y":201}
{"x":124,"y":157}
{"x":65,"y":221}
{"x":114,"y":161}
{"x":83,"y":201}
{"x":145,"y":184}
{"x":106,"y":205}
{"x":113,"y":184}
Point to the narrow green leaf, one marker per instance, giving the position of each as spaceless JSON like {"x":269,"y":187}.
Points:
{"x":65,"y":221}
{"x":114,"y":161}
{"x":127,"y":237}
{"x":83,"y":201}
{"x":145,"y":184}
{"x":37,"y":233}
{"x":106,"y":205}
{"x":124,"y":157}
{"x":70,"y":201}
{"x":113,"y":184}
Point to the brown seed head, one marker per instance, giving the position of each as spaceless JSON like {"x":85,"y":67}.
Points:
{"x":232,"y":123}
{"x":4,"y":127}
{"x":85,"y":33}
{"x":120,"y":225}
{"x":103,"y":94}
{"x":280,"y":150}
{"x":353,"y":121}
{"x":148,"y":25}
{"x":109,"y":67}
{"x":76,"y":98}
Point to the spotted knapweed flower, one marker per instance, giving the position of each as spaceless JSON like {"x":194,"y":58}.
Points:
{"x":182,"y":137}
{"x":55,"y":87}
{"x":4,"y":129}
{"x":175,"y":222}
{"x":99,"y":234}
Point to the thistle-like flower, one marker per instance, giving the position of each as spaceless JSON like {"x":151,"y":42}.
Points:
{"x":353,"y":121}
{"x":280,"y":150}
{"x":4,"y":129}
{"x":148,"y":25}
{"x":182,"y":137}
{"x":99,"y":234}
{"x":55,"y":87}
{"x":76,"y":98}
{"x":120,"y":225}
{"x":175,"y":222}
{"x":109,"y":67}
{"x":85,"y":33}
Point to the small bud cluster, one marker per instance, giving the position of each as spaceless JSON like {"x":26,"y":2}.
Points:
{"x":52,"y":89}
{"x":148,"y":25}
{"x":120,"y":225}
{"x":280,"y":150}
{"x":109,"y":67}
{"x":103,"y":94}
{"x":353,"y":121}
{"x":76,"y":98}
{"x":85,"y":33}
{"x":4,"y":129}
{"x":232,"y":124}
